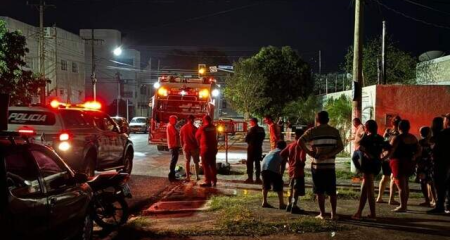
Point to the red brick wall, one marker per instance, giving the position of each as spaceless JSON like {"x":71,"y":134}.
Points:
{"x":418,"y":104}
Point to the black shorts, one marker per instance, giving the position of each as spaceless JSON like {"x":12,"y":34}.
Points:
{"x":386,"y":168}
{"x":324,"y":181}
{"x":272,"y":180}
{"x":298,"y":184}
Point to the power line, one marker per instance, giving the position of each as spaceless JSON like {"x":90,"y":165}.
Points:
{"x":427,"y":7}
{"x":412,"y":18}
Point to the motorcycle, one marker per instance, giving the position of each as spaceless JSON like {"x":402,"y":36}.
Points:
{"x":110,"y":210}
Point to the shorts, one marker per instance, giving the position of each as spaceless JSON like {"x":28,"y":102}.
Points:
{"x":324,"y":181}
{"x":298,"y":184}
{"x":194,"y":153}
{"x":386,"y":168}
{"x":272,"y":180}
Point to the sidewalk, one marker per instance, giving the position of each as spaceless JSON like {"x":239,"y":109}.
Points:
{"x":232,"y":211}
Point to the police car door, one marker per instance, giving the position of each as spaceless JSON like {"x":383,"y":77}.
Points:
{"x":113,"y":132}
{"x":104,"y":142}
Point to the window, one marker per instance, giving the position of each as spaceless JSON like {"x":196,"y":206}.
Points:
{"x":103,"y":122}
{"x":21,"y":175}
{"x":52,"y":170}
{"x":64,"y":65}
{"x":73,"y":118}
{"x":224,"y":104}
{"x":74,"y":67}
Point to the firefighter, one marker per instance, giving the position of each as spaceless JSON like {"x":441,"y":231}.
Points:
{"x":274,"y":130}
{"x":173,"y":142}
{"x":207,"y":139}
{"x":254,"y":138}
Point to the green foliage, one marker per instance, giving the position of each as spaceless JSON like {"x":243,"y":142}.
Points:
{"x":400,"y":65}
{"x":14,"y":80}
{"x":303,"y":110}
{"x":288,"y":78}
{"x":340,"y":113}
{"x":266,"y":82}
{"x":245,"y":88}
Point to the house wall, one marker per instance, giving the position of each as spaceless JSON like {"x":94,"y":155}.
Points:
{"x":418,"y":104}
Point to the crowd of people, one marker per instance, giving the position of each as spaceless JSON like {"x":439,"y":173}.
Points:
{"x":397,"y":154}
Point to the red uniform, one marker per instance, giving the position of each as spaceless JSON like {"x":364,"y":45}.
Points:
{"x":207,"y":138}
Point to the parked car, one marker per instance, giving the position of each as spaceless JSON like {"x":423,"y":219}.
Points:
{"x":86,"y":138}
{"x":139,"y":124}
{"x":123,"y":123}
{"x":41,"y":197}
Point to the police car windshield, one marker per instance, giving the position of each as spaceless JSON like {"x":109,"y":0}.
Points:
{"x":138,"y":120}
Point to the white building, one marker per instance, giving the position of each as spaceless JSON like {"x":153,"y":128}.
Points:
{"x":117,"y":76}
{"x":64,"y":59}
{"x":435,"y":71}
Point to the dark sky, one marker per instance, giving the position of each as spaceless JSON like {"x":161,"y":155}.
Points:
{"x":241,"y":27}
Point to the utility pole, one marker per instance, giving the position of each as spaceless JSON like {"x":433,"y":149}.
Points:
{"x":357,"y":61}
{"x":320,"y":62}
{"x":118,"y":92}
{"x":93,"y":40}
{"x":383,"y":54}
{"x":41,"y":7}
{"x":56,"y":61}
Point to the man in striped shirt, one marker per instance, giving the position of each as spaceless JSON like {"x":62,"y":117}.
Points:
{"x":323,"y":143}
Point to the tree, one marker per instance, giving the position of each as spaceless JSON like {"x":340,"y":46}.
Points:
{"x":303,"y":110}
{"x":400,"y":65}
{"x":245,"y":88}
{"x":288,"y":78}
{"x":340,"y":114}
{"x":20,"y":84}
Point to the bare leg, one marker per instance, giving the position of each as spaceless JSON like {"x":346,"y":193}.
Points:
{"x":392,"y":188}
{"x":197,"y":170}
{"x":400,"y":182}
{"x":362,"y":199}
{"x":381,"y":188}
{"x":425,"y":191}
{"x":321,"y":200}
{"x":281,"y":200}
{"x":264,"y":192}
{"x":333,"y":201}
{"x":432,"y":192}
{"x":371,"y":195}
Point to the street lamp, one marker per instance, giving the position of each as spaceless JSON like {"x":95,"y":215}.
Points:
{"x":215,"y":92}
{"x":117,"y":52}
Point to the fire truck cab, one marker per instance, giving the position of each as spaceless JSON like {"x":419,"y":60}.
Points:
{"x":180,"y":97}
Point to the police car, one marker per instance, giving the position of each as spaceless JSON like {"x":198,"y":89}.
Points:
{"x":86,"y":138}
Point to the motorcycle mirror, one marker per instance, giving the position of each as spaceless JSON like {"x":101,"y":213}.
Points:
{"x":80,"y":178}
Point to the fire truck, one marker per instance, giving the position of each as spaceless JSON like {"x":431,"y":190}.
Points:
{"x":180,"y":97}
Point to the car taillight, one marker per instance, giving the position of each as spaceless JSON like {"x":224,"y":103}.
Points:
{"x":27,"y":131}
{"x":64,"y":137}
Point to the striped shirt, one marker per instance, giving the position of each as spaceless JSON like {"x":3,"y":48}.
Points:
{"x":323,"y":140}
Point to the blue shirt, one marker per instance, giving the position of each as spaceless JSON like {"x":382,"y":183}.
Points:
{"x":272,"y":161}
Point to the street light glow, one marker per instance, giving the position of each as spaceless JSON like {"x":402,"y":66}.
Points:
{"x":215,"y":93}
{"x":157,"y":85}
{"x":118,"y":51}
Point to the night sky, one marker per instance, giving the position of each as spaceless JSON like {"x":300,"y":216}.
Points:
{"x":240,"y":27}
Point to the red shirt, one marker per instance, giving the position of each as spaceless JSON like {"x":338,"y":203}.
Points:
{"x":296,"y":159}
{"x":187,"y":135}
{"x":207,"y":138}
{"x":173,"y":138}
